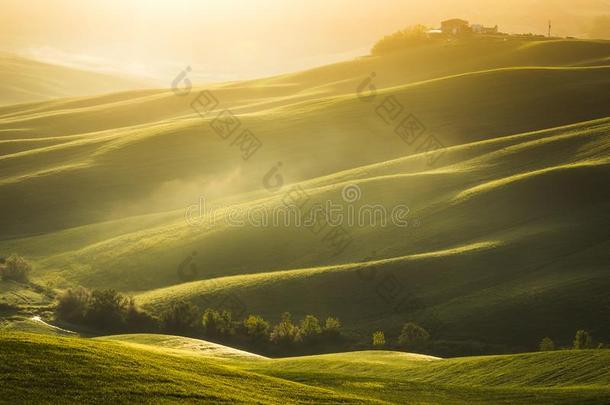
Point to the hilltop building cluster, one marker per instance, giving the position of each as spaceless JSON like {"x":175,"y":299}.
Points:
{"x":457,"y":26}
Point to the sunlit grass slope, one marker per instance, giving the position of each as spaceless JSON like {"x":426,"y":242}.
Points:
{"x":43,"y":369}
{"x":554,"y":377}
{"x":182,"y":344}
{"x":87,"y":160}
{"x":24,"y":80}
{"x":71,"y":370}
{"x":508,"y":228}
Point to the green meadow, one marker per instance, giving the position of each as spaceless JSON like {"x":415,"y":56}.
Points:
{"x":505,"y":241}
{"x":146,"y":369}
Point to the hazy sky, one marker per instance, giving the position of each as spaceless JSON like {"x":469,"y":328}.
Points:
{"x":231,"y":39}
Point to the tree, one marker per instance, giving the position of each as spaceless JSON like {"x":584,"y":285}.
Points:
{"x":15,"y":268}
{"x":310,"y":328}
{"x":332,"y":327}
{"x":378,"y":339}
{"x":413,"y":335}
{"x":256,"y":327}
{"x":106,"y":310}
{"x":582,"y":340}
{"x":401,"y":39}
{"x":285,"y":332}
{"x":217,"y":323}
{"x":547,"y":345}
{"x":139,"y":320}
{"x":180,"y":317}
{"x":72,"y":305}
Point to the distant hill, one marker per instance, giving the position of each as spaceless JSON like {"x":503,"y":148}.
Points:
{"x":24,"y":80}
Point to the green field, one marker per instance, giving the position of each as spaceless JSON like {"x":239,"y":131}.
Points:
{"x":506,"y":241}
{"x":138,"y":368}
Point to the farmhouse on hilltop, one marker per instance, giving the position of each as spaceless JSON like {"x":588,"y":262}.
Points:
{"x":455,"y":26}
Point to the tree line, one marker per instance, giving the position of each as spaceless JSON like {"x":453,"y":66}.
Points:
{"x":400,"y":40}
{"x":582,"y":340}
{"x":112,"y":312}
{"x":412,"y":337}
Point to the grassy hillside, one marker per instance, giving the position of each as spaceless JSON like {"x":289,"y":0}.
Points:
{"x":507,"y":228}
{"x":467,"y":272}
{"x":142,"y":152}
{"x":140,"y":169}
{"x":24,"y":80}
{"x":182,"y":344}
{"x":70,"y":370}
{"x":74,"y":370}
{"x":555,"y":377}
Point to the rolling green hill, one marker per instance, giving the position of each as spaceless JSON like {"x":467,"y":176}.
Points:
{"x":171,"y":155}
{"x":182,"y":344}
{"x":72,"y":370}
{"x":49,"y":369}
{"x":500,"y":259}
{"x":24,"y":80}
{"x":507,"y":228}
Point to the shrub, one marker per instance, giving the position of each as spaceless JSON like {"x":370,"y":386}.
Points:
{"x":413,"y":35}
{"x":217,"y":324}
{"x":378,"y":339}
{"x":285,"y":332}
{"x":181,"y":317}
{"x":546,"y":345}
{"x":136,"y":319}
{"x":256,"y":327}
{"x":332,"y":328}
{"x":310,"y":328}
{"x":582,"y":340}
{"x":15,"y":268}
{"x":72,"y":305}
{"x":413,"y":336}
{"x":106,"y":310}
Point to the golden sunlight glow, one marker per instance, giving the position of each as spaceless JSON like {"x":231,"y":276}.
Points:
{"x":230,"y":39}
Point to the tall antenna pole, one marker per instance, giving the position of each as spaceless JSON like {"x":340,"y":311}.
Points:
{"x":550,"y":28}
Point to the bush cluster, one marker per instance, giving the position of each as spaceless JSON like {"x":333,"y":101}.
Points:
{"x":15,"y":268}
{"x":103,"y":310}
{"x":412,"y":337}
{"x":582,"y":340}
{"x":399,"y":40}
{"x":110,"y":311}
{"x":219,"y":325}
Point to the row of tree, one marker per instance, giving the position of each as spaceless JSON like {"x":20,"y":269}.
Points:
{"x":110,"y":311}
{"x":185,"y":318}
{"x":103,"y":310}
{"x":582,"y":340}
{"x":401,"y":40}
{"x":412,"y":337}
